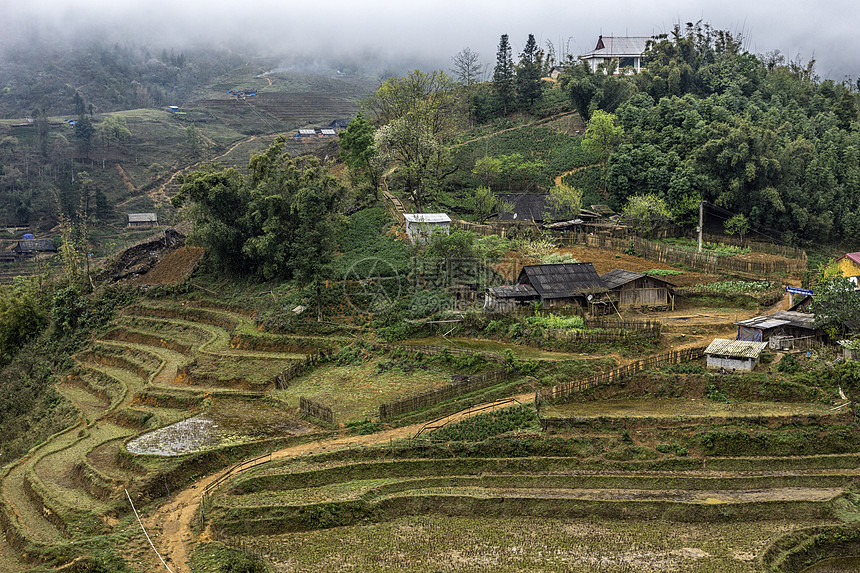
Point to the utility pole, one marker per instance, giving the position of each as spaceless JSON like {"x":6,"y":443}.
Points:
{"x":701,"y":217}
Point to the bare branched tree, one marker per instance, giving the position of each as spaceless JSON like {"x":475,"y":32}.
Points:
{"x":467,"y":69}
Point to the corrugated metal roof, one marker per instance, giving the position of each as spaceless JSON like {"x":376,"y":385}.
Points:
{"x":736,"y":348}
{"x":427,"y":218}
{"x":307,"y":132}
{"x":328,"y":132}
{"x":781,"y":318}
{"x":513,"y":291}
{"x":616,"y":47}
{"x":855,"y":257}
{"x":142,"y":218}
{"x":562,"y":280}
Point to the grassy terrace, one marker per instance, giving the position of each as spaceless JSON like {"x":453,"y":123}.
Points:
{"x":430,"y":543}
{"x":683,"y":408}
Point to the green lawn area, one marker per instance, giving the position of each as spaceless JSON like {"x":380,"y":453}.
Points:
{"x":431,"y":543}
{"x":355,"y":392}
{"x":682,"y":407}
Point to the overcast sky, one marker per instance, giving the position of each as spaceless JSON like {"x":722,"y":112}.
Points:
{"x":436,"y":29}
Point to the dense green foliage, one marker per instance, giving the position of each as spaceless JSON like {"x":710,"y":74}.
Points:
{"x":763,"y":139}
{"x":277,"y":222}
{"x":484,"y":426}
{"x":367,"y":249}
{"x":21,"y":318}
{"x":553,"y":151}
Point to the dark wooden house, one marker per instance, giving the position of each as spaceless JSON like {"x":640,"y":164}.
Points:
{"x":526,"y":207}
{"x":557,"y":285}
{"x":629,"y":288}
{"x":34,"y":246}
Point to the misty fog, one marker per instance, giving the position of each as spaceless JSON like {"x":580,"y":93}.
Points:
{"x":398,"y":35}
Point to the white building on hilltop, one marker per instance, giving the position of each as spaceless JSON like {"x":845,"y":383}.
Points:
{"x":627,"y":50}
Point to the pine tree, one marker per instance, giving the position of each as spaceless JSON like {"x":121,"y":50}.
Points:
{"x":528,"y":74}
{"x":503,"y":75}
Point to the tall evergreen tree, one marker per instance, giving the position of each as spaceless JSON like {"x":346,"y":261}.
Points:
{"x":528,"y":74}
{"x":503,"y":75}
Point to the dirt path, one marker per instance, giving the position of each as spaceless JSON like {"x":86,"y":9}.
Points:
{"x":170,"y":525}
{"x":160,"y":193}
{"x":560,"y":178}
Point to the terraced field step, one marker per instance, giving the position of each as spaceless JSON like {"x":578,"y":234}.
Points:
{"x":56,"y":478}
{"x":90,"y":405}
{"x":834,"y":481}
{"x":291,"y":475}
{"x":225,"y":320}
{"x":679,"y":506}
{"x":184,"y":332}
{"x":31,"y":521}
{"x":694,"y":489}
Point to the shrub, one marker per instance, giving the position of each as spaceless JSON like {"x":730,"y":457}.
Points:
{"x":788,"y":364}
{"x":715,"y":394}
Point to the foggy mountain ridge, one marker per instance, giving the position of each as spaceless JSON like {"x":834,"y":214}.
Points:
{"x":384,"y":37}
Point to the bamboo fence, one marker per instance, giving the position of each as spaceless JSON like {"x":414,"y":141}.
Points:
{"x":283,"y":378}
{"x":315,"y":409}
{"x":568,"y":388}
{"x":451,"y":390}
{"x":623,"y":238}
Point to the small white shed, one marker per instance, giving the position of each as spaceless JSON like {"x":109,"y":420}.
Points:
{"x":421,"y":226}
{"x":734,"y":354}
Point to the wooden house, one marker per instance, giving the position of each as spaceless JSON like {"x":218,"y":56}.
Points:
{"x":339,"y":124}
{"x":525,"y":206}
{"x":557,"y":285}
{"x":142,"y":220}
{"x":34,"y":246}
{"x":421,"y":226}
{"x":734,"y":354}
{"x":630,"y":288}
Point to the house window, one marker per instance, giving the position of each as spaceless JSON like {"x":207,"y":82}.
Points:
{"x":627,"y":63}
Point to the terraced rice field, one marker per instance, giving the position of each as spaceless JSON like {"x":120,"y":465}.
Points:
{"x":527,"y":513}
{"x":126,"y":385}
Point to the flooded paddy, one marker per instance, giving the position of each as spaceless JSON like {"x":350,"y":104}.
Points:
{"x":226,"y":422}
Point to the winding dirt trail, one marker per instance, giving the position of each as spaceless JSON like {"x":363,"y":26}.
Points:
{"x":560,"y":178}
{"x":170,"y":525}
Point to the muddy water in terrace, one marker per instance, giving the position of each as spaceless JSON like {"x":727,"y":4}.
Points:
{"x":227,"y":422}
